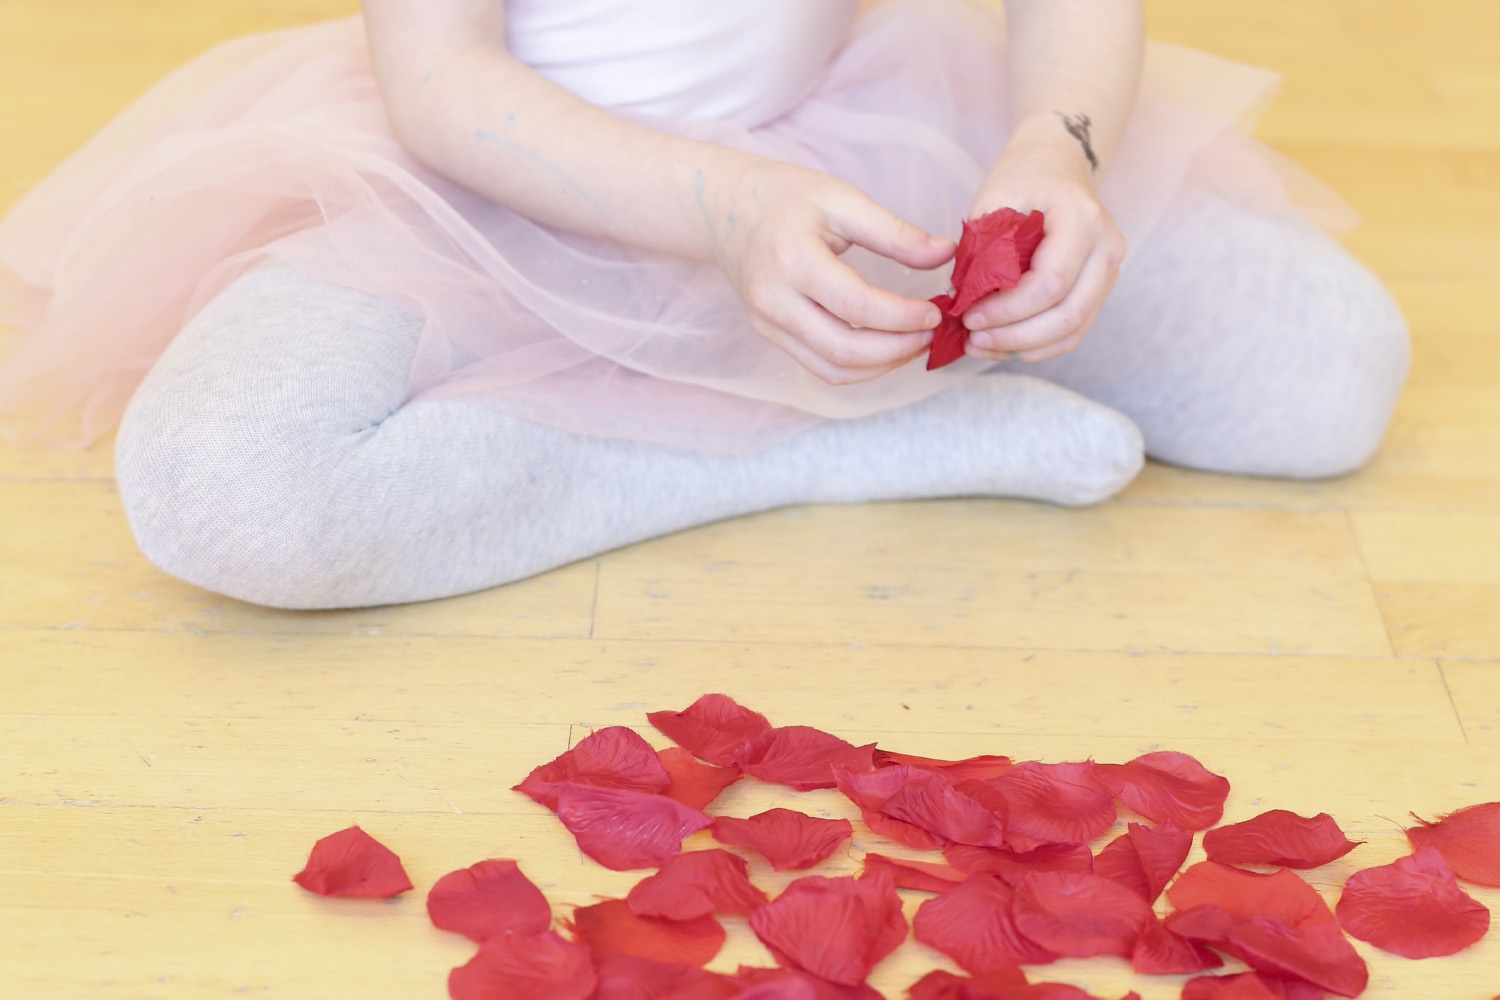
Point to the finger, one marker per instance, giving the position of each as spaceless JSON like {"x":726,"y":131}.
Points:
{"x":1073,"y":315}
{"x":864,"y":223}
{"x":816,"y":363}
{"x":841,"y":290}
{"x":1054,"y":272}
{"x":844,"y":349}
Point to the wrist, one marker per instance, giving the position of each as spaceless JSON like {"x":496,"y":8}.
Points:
{"x":1057,"y":143}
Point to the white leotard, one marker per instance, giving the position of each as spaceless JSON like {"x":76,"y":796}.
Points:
{"x":746,"y":61}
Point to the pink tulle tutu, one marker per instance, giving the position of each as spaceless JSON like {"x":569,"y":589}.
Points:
{"x":277,"y":148}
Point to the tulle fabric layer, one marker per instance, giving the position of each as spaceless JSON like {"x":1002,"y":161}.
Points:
{"x":277,"y":148}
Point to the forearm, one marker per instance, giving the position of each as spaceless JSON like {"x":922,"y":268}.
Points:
{"x":1074,"y":72}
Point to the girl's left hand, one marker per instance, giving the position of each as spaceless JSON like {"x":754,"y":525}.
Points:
{"x":1074,"y":268}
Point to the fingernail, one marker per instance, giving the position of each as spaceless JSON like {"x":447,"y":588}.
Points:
{"x":932,"y":318}
{"x":974,"y":321}
{"x":983,"y":341}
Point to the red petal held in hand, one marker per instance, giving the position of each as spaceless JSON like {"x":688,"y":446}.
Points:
{"x":525,"y":967}
{"x":786,"y":838}
{"x":1469,"y":840}
{"x":1279,"y":837}
{"x":1144,"y":858}
{"x":694,"y":783}
{"x":615,"y":757}
{"x":713,"y":728}
{"x":1054,"y":804}
{"x":834,"y":928}
{"x":1168,"y":787}
{"x":801,"y":757}
{"x":1248,"y":986}
{"x":628,"y":977}
{"x":695,"y":885}
{"x":613,"y":928}
{"x":1080,"y":916}
{"x":974,"y":925}
{"x":622,"y":829}
{"x":354,"y":865}
{"x":994,"y":250}
{"x":487,"y":899}
{"x":949,"y":337}
{"x":979,"y":768}
{"x":1012,"y":866}
{"x":924,"y":876}
{"x":1413,"y":908}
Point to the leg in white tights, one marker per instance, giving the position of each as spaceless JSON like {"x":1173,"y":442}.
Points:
{"x":269,"y":457}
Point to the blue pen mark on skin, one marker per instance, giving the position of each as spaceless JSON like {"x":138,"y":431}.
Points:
{"x":495,"y":140}
{"x":427,"y":79}
{"x":698,"y":191}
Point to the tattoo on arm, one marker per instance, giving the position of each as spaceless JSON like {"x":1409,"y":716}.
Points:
{"x":1078,"y":128}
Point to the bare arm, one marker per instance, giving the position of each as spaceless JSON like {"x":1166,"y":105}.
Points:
{"x":1074,"y":71}
{"x":465,"y":107}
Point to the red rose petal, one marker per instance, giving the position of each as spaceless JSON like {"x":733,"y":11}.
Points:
{"x":695,"y":783}
{"x":696,"y":884}
{"x":613,"y":928}
{"x":793,"y":984}
{"x":1242,"y":894}
{"x":1279,"y":837}
{"x":949,"y":337}
{"x":1012,"y":866}
{"x":786,"y":838}
{"x":1054,"y":804}
{"x":905,"y":873}
{"x":801,"y":757}
{"x":1080,"y":916}
{"x":1314,"y":951}
{"x":629,"y":977}
{"x":974,"y":924}
{"x":511,"y":966}
{"x":1144,"y":858}
{"x":1160,"y":952}
{"x":994,"y":250}
{"x":354,"y":865}
{"x":623,"y":829}
{"x":1168,"y":787}
{"x":1469,"y":840}
{"x":614,"y":757}
{"x":487,"y":899}
{"x":979,"y":768}
{"x":901,"y":832}
{"x":1413,"y":908}
{"x":927,"y":800}
{"x":1248,"y":986}
{"x":834,"y":928}
{"x":940,"y":985}
{"x":712,"y":728}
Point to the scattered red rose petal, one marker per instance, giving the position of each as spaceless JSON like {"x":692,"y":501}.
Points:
{"x":1012,"y":866}
{"x":511,"y":966}
{"x":1314,"y":951}
{"x":1469,"y":840}
{"x":696,"y":884}
{"x":486,"y":899}
{"x":713,"y":728}
{"x":941,"y":985}
{"x":786,"y":838}
{"x":927,"y":800}
{"x":1279,"y":837}
{"x":1144,"y":858}
{"x":1054,"y":804}
{"x":1080,"y":915}
{"x":834,"y":928}
{"x":355,"y":865}
{"x":980,"y":768}
{"x":905,"y":873}
{"x":1166,"y":786}
{"x":613,"y":928}
{"x":901,"y":832}
{"x":801,"y":757}
{"x":1161,"y":952}
{"x":695,"y":783}
{"x":794,"y":984}
{"x":974,"y":924}
{"x":994,"y":250}
{"x":1413,"y":908}
{"x":1248,"y":986}
{"x":630,"y":977}
{"x":623,"y":829}
{"x":614,"y":757}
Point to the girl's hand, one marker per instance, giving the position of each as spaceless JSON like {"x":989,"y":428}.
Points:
{"x":778,"y":232}
{"x":1074,"y":268}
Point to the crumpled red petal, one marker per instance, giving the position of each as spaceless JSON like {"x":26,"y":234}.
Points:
{"x":926,"y":799}
{"x":980,"y":768}
{"x":696,"y":884}
{"x":492,"y":897}
{"x":905,"y":873}
{"x":1469,"y":840}
{"x":949,"y":337}
{"x":1054,"y":804}
{"x":629,"y":977}
{"x":1412,"y":907}
{"x":801,"y":757}
{"x":695,"y":783}
{"x":512,"y":966}
{"x":1166,"y":786}
{"x":1012,"y":866}
{"x":623,"y":829}
{"x":974,"y":924}
{"x":835,"y":928}
{"x":786,"y":838}
{"x":941,"y":985}
{"x":1079,"y":915}
{"x":713,"y":728}
{"x":352,"y":864}
{"x":1248,"y":986}
{"x":611,"y":927}
{"x":1144,"y":858}
{"x":614,"y":757}
{"x":1279,"y":837}
{"x":994,"y":250}
{"x":1314,"y":951}
{"x":1161,"y":952}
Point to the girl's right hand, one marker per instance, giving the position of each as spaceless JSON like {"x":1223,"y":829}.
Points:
{"x":778,"y":232}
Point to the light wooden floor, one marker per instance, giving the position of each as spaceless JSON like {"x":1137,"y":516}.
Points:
{"x":168,"y":756}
